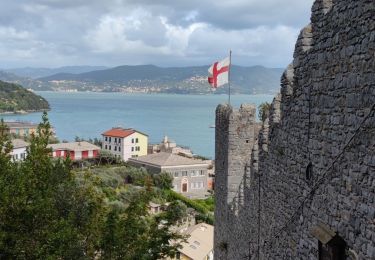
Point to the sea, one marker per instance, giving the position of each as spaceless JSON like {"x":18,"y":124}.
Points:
{"x":186,"y":119}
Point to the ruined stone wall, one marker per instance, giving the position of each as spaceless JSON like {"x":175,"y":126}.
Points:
{"x":324,"y":116}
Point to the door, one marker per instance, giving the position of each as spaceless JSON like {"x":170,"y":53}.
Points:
{"x":184,"y":187}
{"x":333,"y":250}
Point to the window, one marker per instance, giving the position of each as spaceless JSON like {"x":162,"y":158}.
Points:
{"x":115,"y":148}
{"x":197,"y":185}
{"x":106,"y":147}
{"x":119,"y":141}
{"x":132,"y":149}
{"x":193,"y":173}
{"x":201,"y":172}
{"x":115,"y":140}
{"x":132,"y":140}
{"x":106,"y":139}
{"x":109,"y":147}
{"x":309,"y":171}
{"x":176,"y":174}
{"x":110,"y":140}
{"x":184,"y":173}
{"x":119,"y":148}
{"x":136,"y":140}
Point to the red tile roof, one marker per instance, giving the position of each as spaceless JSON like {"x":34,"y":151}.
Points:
{"x":119,"y":132}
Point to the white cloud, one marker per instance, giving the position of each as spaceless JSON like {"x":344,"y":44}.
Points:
{"x":10,"y":33}
{"x":165,"y":32}
{"x":138,"y":33}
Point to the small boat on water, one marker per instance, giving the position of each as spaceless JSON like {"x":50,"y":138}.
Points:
{"x":212,"y":126}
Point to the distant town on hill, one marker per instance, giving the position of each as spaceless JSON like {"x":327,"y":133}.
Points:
{"x":143,"y":79}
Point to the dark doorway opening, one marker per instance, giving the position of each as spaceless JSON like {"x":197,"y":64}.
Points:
{"x":333,"y":250}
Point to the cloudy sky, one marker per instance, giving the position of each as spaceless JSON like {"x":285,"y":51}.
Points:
{"x":52,"y":33}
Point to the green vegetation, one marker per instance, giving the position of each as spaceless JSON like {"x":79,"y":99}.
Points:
{"x":204,"y":212}
{"x":48,"y":211}
{"x":120,"y":183}
{"x":208,"y":203}
{"x":263,"y":111}
{"x":14,"y":98}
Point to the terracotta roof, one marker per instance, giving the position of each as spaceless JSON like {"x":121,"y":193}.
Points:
{"x":119,"y":132}
{"x":166,"y":159}
{"x":75,"y":146}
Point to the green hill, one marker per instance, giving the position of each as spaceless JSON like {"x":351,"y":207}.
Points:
{"x":16,"y":99}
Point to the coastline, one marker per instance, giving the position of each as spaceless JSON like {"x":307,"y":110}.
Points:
{"x":23,"y":112}
{"x":152,"y":93}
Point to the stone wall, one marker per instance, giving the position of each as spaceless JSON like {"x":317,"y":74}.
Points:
{"x":235,"y":137}
{"x":313,"y":163}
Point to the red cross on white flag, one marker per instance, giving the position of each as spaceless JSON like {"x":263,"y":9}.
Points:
{"x":219,"y":73}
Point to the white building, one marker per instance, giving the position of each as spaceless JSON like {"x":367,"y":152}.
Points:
{"x":19,"y":150}
{"x":169,"y":146}
{"x":125,"y":143}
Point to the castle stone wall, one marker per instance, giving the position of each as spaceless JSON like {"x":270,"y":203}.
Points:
{"x":324,"y":117}
{"x":235,"y":135}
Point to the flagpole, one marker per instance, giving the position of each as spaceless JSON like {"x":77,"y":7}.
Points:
{"x":230,"y":64}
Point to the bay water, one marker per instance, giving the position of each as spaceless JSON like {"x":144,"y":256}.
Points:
{"x":183,"y":118}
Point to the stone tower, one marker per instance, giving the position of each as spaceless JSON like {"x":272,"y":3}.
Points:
{"x":235,"y":135}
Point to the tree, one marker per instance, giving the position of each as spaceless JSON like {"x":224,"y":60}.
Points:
{"x":47,"y":212}
{"x":263,"y":111}
{"x":5,"y":145}
{"x":163,"y":180}
{"x":44,"y":212}
{"x":137,"y":234}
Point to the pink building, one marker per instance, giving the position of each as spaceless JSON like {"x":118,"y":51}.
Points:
{"x":75,"y":150}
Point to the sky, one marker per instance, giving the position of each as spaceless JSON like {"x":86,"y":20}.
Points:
{"x":54,"y":33}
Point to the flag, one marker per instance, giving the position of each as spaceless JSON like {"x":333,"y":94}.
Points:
{"x":219,"y":73}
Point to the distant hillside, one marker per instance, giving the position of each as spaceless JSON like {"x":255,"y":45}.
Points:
{"x":153,"y":79}
{"x":25,"y":82}
{"x":44,"y":72}
{"x":14,"y":98}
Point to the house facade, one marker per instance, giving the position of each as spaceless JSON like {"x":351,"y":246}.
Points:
{"x":21,"y":128}
{"x":19,"y":150}
{"x":75,"y":150}
{"x":125,"y":143}
{"x":189,"y":175}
